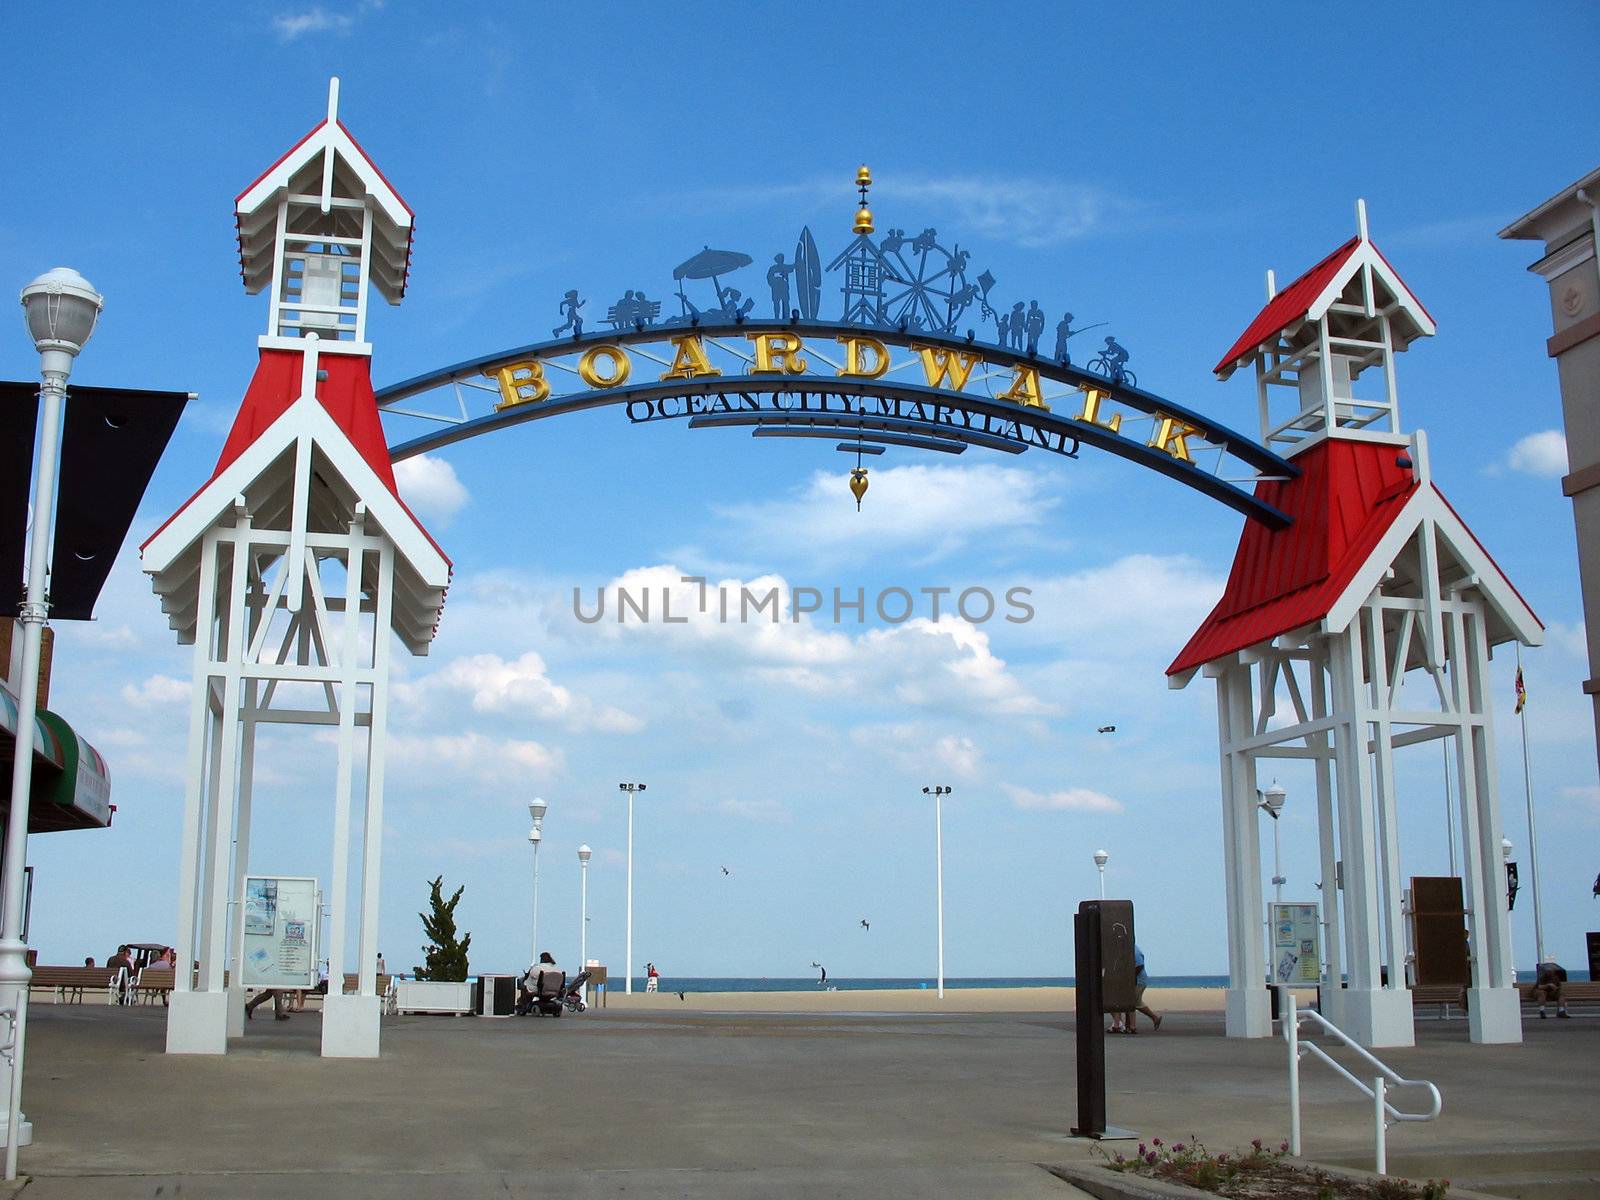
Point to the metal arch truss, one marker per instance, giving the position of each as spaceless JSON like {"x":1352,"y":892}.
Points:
{"x":867,"y":388}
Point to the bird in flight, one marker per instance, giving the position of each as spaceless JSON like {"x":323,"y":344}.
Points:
{"x":1106,"y":729}
{"x":725,"y":871}
{"x":864,"y":924}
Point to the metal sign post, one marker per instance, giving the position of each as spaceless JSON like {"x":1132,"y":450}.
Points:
{"x":1103,"y":939}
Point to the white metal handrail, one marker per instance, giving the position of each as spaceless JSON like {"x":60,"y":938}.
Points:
{"x":1384,"y":1114}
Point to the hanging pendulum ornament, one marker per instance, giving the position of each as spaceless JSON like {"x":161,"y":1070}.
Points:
{"x":858,"y":484}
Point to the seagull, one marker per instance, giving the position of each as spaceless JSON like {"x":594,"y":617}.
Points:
{"x":1106,"y":729}
{"x":864,"y":924}
{"x":725,"y":871}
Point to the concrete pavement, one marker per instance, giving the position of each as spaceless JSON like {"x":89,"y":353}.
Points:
{"x":716,"y":1105}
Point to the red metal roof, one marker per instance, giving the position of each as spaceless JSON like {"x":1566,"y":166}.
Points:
{"x":346,"y":394}
{"x":1288,"y":306}
{"x":1344,"y":501}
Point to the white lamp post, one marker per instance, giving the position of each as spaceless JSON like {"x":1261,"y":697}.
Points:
{"x":1505,"y":874}
{"x":1100,"y":860}
{"x":584,"y":854}
{"x":627,"y":966}
{"x":938,"y":794}
{"x":536,"y":809}
{"x":61,"y":311}
{"x":1271,"y":803}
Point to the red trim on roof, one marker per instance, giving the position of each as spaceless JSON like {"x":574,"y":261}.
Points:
{"x":1489,"y":556}
{"x":409,"y":210}
{"x":1288,"y":306}
{"x":279,"y":161}
{"x":1344,"y":501}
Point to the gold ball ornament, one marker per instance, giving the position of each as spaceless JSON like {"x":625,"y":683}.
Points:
{"x":858,"y":484}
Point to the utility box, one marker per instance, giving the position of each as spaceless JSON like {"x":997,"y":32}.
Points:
{"x":1117,"y":970}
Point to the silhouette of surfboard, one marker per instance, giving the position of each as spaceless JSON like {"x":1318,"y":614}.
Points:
{"x":807,"y":276}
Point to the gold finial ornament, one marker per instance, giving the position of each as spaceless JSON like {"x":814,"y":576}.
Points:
{"x":863,"y":214}
{"x":858,"y":476}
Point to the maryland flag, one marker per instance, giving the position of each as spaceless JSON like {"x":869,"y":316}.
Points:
{"x":1522,"y":692}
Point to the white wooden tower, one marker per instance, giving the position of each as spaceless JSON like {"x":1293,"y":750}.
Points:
{"x":1363,"y":629}
{"x":288,"y":569}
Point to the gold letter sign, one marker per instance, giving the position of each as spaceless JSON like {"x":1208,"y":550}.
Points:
{"x":690,"y":361}
{"x":939,"y":364}
{"x":520,"y":383}
{"x":868,"y":365}
{"x":1170,"y":437}
{"x":777,"y":354}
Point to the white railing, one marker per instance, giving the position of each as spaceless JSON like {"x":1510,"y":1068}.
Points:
{"x":1384,"y":1114}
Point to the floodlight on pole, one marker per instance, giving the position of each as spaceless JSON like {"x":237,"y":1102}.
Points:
{"x":627,"y":966}
{"x":939,"y":793}
{"x":1101,"y":858}
{"x":1271,"y":803}
{"x":537,"y":807}
{"x":61,"y":309}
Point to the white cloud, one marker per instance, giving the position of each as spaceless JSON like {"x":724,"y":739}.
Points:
{"x":913,"y":747}
{"x":430,"y":485}
{"x":290,"y":26}
{"x":746,"y":809}
{"x":930,"y":509}
{"x":1543,"y":454}
{"x":473,"y":755}
{"x":523,"y":687}
{"x":1135,"y":595}
{"x":1034,"y":213}
{"x":1077,"y":799}
{"x":156,"y":690}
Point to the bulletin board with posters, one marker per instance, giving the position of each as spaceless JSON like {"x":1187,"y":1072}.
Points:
{"x":1296,"y":944}
{"x":281,"y":928}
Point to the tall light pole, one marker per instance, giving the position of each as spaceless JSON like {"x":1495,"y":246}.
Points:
{"x":1271,"y":803}
{"x":627,"y":967}
{"x":1505,"y":874}
{"x":939,"y":793}
{"x":536,"y":809}
{"x":584,"y":854}
{"x":1100,"y":860}
{"x":61,"y":311}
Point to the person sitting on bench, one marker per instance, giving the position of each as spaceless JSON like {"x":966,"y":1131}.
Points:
{"x":1547,"y":985}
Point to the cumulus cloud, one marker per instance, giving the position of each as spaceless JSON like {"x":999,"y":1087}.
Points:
{"x":929,"y":509}
{"x":475,"y":755}
{"x":156,"y":690}
{"x":762,"y":809}
{"x":430,"y":485}
{"x":523,"y":687}
{"x":913,"y":747}
{"x":945,"y":665}
{"x":1076,"y":799}
{"x":1543,"y":454}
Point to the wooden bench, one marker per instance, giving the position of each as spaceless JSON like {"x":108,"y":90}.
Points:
{"x":1582,"y":991}
{"x":153,"y":982}
{"x":70,"y":983}
{"x":1441,"y":994}
{"x":352,"y":983}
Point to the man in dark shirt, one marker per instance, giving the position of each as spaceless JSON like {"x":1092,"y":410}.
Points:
{"x":1548,"y":984}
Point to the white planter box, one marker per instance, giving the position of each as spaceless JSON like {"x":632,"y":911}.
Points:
{"x":427,"y":996}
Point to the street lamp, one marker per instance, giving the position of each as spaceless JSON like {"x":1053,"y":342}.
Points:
{"x":583,"y":909}
{"x":536,"y":809}
{"x":1271,"y":803}
{"x":1101,"y":858}
{"x":939,"y":793}
{"x":627,"y":966}
{"x":61,"y":310}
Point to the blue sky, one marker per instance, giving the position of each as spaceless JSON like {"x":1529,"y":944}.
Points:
{"x":1134,"y":165}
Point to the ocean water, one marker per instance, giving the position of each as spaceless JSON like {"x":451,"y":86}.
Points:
{"x":809,"y":983}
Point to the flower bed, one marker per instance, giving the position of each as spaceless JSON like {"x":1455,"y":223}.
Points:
{"x":1260,"y":1173}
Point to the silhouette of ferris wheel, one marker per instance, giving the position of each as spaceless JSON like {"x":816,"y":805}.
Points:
{"x":926,"y":285}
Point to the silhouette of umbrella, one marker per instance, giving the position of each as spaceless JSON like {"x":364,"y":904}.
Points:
{"x":709,"y":264}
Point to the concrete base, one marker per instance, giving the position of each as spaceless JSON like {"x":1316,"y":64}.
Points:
{"x":197,"y":1023}
{"x":1378,"y":1016}
{"x":1494,"y":1015}
{"x":1249,"y":1013}
{"x":350,"y":1026}
{"x":236,"y":1018}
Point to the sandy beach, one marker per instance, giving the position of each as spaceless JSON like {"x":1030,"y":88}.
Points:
{"x":905,"y":1000}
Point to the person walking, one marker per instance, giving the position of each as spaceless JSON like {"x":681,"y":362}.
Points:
{"x":1141,"y":980}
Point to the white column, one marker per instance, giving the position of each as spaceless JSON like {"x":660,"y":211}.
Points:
{"x":1494,"y":1011}
{"x":1384,"y":796}
{"x":1248,"y":1005}
{"x":1332,"y":981}
{"x":241,"y":860}
{"x":377,"y":741}
{"x":1373,"y":1015}
{"x":349,"y":1029}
